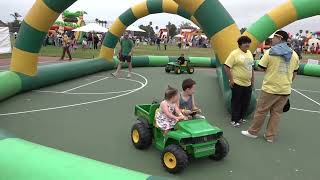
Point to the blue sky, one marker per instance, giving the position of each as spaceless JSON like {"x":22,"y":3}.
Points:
{"x":244,"y":12}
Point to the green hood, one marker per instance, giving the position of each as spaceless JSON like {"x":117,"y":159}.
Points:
{"x":197,"y":128}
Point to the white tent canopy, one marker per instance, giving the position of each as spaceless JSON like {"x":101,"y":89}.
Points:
{"x":5,"y":43}
{"x":135,"y":29}
{"x":91,"y":27}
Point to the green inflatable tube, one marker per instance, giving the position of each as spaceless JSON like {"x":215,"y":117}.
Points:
{"x":22,"y":160}
{"x":10,"y":84}
{"x":13,"y":83}
{"x":311,"y":70}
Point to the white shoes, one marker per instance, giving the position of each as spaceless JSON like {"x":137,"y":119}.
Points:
{"x":235,"y":124}
{"x":246,"y":133}
{"x":114,"y":74}
{"x":268,"y":140}
{"x":242,"y":121}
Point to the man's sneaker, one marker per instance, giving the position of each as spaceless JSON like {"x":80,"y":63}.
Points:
{"x":242,"y":121}
{"x":235,"y":124}
{"x":114,"y":74}
{"x":268,"y":140}
{"x":129,"y":75}
{"x":246,"y":133}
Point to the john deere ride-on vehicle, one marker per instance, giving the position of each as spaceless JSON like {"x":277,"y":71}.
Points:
{"x":179,"y":68}
{"x":189,"y":139}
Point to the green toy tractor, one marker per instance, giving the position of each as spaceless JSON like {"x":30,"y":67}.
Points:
{"x":189,"y":139}
{"x":180,"y":68}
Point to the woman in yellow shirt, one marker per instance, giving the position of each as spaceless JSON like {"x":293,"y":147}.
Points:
{"x":239,"y":69}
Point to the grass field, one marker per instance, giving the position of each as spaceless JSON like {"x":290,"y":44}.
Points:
{"x":141,"y":50}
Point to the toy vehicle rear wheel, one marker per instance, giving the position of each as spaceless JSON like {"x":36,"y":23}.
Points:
{"x":174,"y":159}
{"x":177,"y":70}
{"x":141,"y":136}
{"x":222,"y":150}
{"x":190,"y":70}
{"x":168,"y":69}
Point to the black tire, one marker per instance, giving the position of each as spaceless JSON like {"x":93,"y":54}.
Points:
{"x":177,"y":70}
{"x":168,"y":69}
{"x":180,"y":161}
{"x":222,"y":150}
{"x":144,"y":138}
{"x":190,"y":70}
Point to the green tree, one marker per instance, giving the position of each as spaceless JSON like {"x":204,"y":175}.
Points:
{"x":186,"y":25}
{"x":172,"y":28}
{"x":14,"y":26}
{"x":149,"y":31}
{"x":242,"y":30}
{"x":16,"y":16}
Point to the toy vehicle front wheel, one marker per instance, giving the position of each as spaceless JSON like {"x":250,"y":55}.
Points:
{"x":190,"y":70}
{"x":141,"y":136}
{"x":168,"y":69}
{"x":222,"y":150}
{"x":174,"y":159}
{"x":177,"y":70}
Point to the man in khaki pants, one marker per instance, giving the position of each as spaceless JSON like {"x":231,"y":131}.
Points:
{"x":280,"y":64}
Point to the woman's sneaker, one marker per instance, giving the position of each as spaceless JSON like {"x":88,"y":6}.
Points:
{"x":235,"y":124}
{"x":246,"y":133}
{"x":242,"y":121}
{"x":268,"y":140}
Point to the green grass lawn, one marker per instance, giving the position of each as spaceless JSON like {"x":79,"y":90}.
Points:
{"x":141,"y":50}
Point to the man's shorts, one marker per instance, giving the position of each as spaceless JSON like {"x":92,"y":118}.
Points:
{"x":124,"y":58}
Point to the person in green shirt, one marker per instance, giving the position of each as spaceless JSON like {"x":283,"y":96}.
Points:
{"x":125,"y":54}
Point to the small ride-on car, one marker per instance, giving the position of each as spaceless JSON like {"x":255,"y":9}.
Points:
{"x":189,"y":139}
{"x":180,"y":68}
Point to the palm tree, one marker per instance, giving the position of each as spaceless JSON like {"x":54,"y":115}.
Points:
{"x":15,"y":15}
{"x":307,"y":32}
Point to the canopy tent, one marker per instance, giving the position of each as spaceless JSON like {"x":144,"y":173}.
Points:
{"x":91,"y":27}
{"x":5,"y":43}
{"x":135,"y":29}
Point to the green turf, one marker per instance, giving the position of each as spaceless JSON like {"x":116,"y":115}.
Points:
{"x":101,"y":131}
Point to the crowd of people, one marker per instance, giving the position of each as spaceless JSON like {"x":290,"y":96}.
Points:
{"x":69,"y":43}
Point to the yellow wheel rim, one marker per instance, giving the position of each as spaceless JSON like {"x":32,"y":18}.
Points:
{"x":191,"y":70}
{"x":135,"y":136}
{"x":170,"y":160}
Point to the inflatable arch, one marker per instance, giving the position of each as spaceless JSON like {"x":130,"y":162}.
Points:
{"x":25,"y":76}
{"x":136,"y":12}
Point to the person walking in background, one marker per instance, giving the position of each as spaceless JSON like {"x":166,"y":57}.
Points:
{"x":239,"y":69}
{"x":158,"y":42}
{"x":95,"y":41}
{"x":66,"y":47}
{"x":125,"y":54}
{"x":90,"y":40}
{"x":73,"y":44}
{"x":165,"y":43}
{"x":281,"y":65}
{"x":318,"y":49}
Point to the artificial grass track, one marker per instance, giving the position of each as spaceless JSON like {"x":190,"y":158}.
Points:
{"x":101,"y":131}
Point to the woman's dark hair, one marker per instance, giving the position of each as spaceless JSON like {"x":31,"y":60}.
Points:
{"x":244,"y":40}
{"x":284,"y":35}
{"x":187,"y":84}
{"x":170,"y":92}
